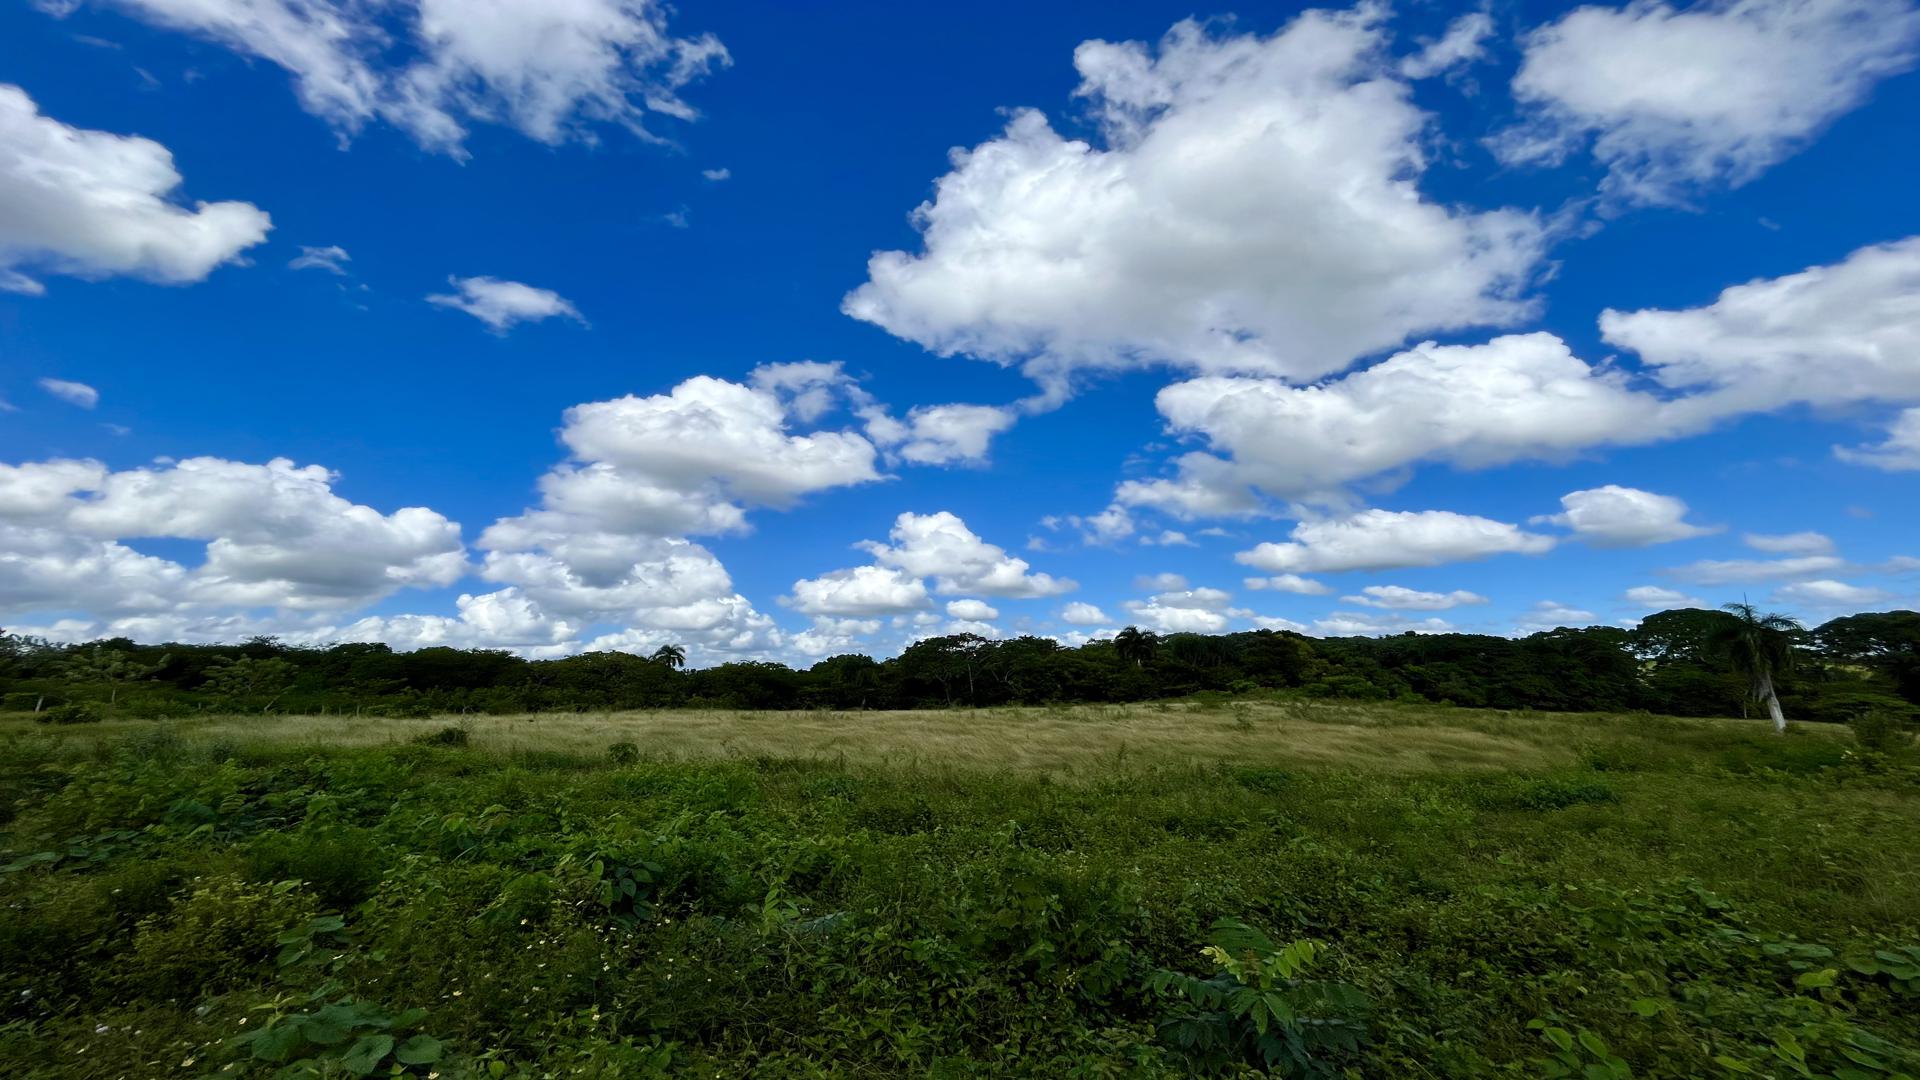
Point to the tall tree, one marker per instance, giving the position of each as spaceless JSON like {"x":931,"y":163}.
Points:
{"x":1136,"y":646}
{"x":1759,"y":646}
{"x":674,"y":656}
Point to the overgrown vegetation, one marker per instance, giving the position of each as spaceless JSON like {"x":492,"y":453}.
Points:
{"x":1687,"y":662}
{"x":1611,"y":897}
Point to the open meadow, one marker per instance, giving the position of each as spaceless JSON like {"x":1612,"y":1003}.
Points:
{"x":1381,"y":890}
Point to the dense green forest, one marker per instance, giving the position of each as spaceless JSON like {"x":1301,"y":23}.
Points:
{"x":1674,"y":663}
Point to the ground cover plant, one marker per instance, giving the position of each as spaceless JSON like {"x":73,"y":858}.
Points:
{"x":1282,"y":887}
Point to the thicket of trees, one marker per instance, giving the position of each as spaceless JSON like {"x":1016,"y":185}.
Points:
{"x":1687,"y":662}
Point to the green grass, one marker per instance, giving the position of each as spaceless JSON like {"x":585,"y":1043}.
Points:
{"x":953,"y":893}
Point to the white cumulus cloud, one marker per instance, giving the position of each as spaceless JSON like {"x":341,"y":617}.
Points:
{"x":1387,"y":539}
{"x":1676,"y":101}
{"x":93,"y":204}
{"x":1252,"y":206}
{"x":1401,"y":598}
{"x":1616,"y":517}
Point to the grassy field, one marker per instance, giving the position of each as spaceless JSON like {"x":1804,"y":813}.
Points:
{"x":1394,"y":890}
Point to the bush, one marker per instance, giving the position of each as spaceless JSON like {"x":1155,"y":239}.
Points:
{"x":1880,"y":730}
{"x":21,"y":701}
{"x":75,"y":712}
{"x":451,"y":735}
{"x":1545,"y":793}
{"x":624,"y":753}
{"x":341,"y":865}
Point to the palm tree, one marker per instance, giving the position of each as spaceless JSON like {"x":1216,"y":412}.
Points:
{"x":1758,"y":646}
{"x":1136,"y":645}
{"x":671,"y":655}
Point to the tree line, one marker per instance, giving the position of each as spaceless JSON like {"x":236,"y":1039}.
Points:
{"x":1685,"y":662}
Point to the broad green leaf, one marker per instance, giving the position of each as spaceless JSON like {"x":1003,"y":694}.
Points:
{"x":419,"y":1050}
{"x":366,"y":1054}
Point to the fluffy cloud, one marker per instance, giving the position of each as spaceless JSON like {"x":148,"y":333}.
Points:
{"x":1187,"y":611}
{"x":549,"y":70}
{"x":1388,"y":540}
{"x":276,"y":537}
{"x":685,"y":460}
{"x":506,"y":619}
{"x":1290,"y":583}
{"x":1655,"y":596}
{"x":940,"y":434}
{"x":972,"y":610}
{"x":1401,"y":598}
{"x":936,"y":546}
{"x":863,"y":590}
{"x":73,"y":393}
{"x":1898,"y":452}
{"x":830,"y":636}
{"x":1080,"y":613}
{"x":1752,"y":349}
{"x":940,"y":546}
{"x":502,"y":304}
{"x":1253,"y":207}
{"x":1675,"y":101}
{"x":1799,"y":543}
{"x":1615,"y":516}
{"x":1517,"y":397}
{"x":1527,"y":397}
{"x":93,"y":204}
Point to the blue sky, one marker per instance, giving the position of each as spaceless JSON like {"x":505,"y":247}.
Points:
{"x":1153,"y":345}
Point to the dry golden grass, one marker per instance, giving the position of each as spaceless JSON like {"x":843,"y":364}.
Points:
{"x":1084,"y":740}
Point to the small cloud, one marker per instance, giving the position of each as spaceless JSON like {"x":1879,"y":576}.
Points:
{"x":1160,"y":582}
{"x":679,"y":219}
{"x":1654,"y":596}
{"x":717,"y":175}
{"x":15,"y":282}
{"x":118,"y":429}
{"x":1080,"y":613}
{"x":1828,"y":593}
{"x":1292,"y":583}
{"x":1799,"y":543}
{"x":332,"y":258}
{"x":501,"y":304}
{"x":73,"y":393}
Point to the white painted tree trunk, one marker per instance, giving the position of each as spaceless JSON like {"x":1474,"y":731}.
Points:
{"x":1773,"y":705}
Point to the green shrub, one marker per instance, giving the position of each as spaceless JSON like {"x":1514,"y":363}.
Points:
{"x":451,"y":735}
{"x":223,"y":933}
{"x":341,"y":864}
{"x":1880,"y":730}
{"x":1543,"y":793}
{"x":624,"y":753}
{"x":1259,"y":1009}
{"x":73,"y":712}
